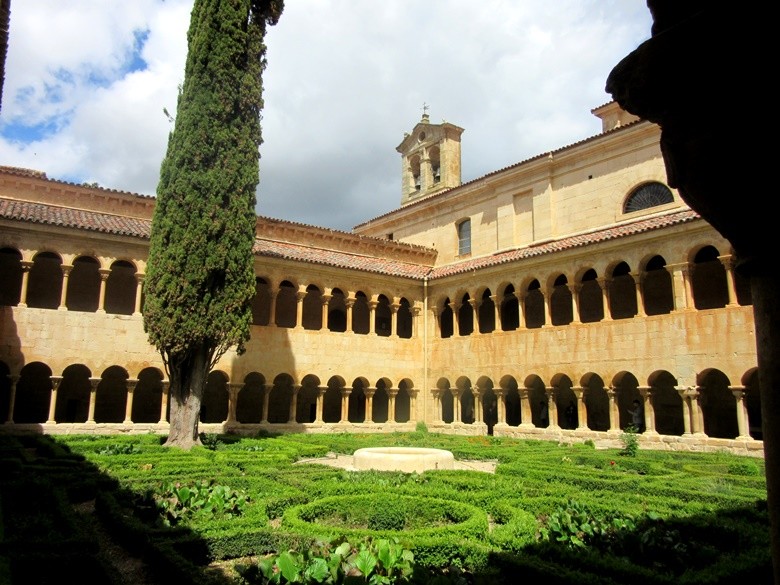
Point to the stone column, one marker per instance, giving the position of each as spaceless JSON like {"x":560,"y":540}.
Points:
{"x":325,"y":305}
{"x":640,"y":296}
{"x":415,"y":321}
{"x":394,"y":318}
{"x":685,"y":394}
{"x":520,"y":295}
{"x":369,"y":414}
{"x":696,"y":419}
{"x":345,"y":392}
{"x":456,"y":416}
{"x":582,"y":415}
{"x":166,"y":386}
{"x":103,"y":272}
{"x":266,"y":400}
{"x":477,"y":392}
{"x":372,"y":316}
{"x":742,"y":415}
{"x":526,"y":418}
{"x":233,"y":390}
{"x":55,"y":383}
{"x":273,"y":293}
{"x":66,"y":268}
{"x":12,"y":398}
{"x":131,"y":384}
{"x":321,"y":390}
{"x":646,"y":392}
{"x":497,"y":325}
{"x":606,"y":309}
{"x":500,"y":406}
{"x":728,"y":264}
{"x":614,"y":415}
{"x":26,"y":267}
{"x":438,"y":414}
{"x":547,"y":312}
{"x":139,"y":288}
{"x":294,"y":404}
{"x":687,"y":275}
{"x":552,"y":408}
{"x":679,"y":285}
{"x":474,"y":315}
{"x":349,"y":302}
{"x":455,"y":319}
{"x":574,"y":289}
{"x":391,"y":393}
{"x":93,"y":384}
{"x":299,"y":296}
{"x":413,"y":404}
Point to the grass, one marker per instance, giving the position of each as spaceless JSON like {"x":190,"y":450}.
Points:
{"x":557,"y":513}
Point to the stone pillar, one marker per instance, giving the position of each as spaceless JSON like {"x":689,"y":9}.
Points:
{"x":325,"y":306}
{"x":500,"y":406}
{"x":685,"y":394}
{"x":614,"y":415}
{"x":606,"y":308}
{"x":687,"y":275}
{"x":299,"y":296}
{"x":93,"y":384}
{"x":294,"y":404}
{"x":103,"y":272}
{"x":394,"y":306}
{"x":349,"y":302}
{"x":646,"y":392}
{"x":267,"y":388}
{"x":413,"y":404}
{"x":582,"y":415}
{"x":574,"y":289}
{"x":415,"y":321}
{"x":372,"y":316}
{"x":345,"y":392}
{"x":438,"y":415}
{"x":139,"y":288}
{"x":496,"y":313}
{"x":526,"y":419}
{"x":166,"y":386}
{"x":474,"y":315}
{"x":520,"y":309}
{"x":456,"y":416}
{"x":233,"y":390}
{"x":742,"y":415}
{"x":273,"y":293}
{"x":66,"y":268}
{"x":679,"y":292}
{"x":369,"y":392}
{"x":55,"y":383}
{"x":477,"y":392}
{"x":728,"y":264}
{"x":640,"y":297}
{"x":547,"y":311}
{"x":552,"y":408}
{"x":321,"y":390}
{"x":131,"y":384}
{"x":455,"y":319}
{"x":12,"y":397}
{"x":697,"y":419}
{"x":26,"y":267}
{"x":391,"y":393}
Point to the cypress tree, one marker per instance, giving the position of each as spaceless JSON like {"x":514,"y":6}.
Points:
{"x":200,"y":276}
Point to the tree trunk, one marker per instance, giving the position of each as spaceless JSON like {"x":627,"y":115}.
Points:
{"x":188,"y":382}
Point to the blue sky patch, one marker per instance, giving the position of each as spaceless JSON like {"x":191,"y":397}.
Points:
{"x":18,"y":131}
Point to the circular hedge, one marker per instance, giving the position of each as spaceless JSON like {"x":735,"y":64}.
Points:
{"x":386,"y":514}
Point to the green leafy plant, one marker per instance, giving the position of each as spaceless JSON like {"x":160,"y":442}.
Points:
{"x":176,"y":502}
{"x":120,"y":449}
{"x":576,"y":525}
{"x":630,"y":441}
{"x":421,"y":427}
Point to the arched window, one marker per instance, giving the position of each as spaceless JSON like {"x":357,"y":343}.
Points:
{"x":464,"y":237}
{"x":648,"y":195}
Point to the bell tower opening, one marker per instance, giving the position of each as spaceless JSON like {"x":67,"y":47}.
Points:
{"x":430,"y":159}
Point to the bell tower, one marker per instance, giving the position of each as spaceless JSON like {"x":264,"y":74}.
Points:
{"x":430,"y":159}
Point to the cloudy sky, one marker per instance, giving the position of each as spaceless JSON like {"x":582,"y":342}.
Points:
{"x":88,"y":83}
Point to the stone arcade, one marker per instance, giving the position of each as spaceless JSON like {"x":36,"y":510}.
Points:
{"x":572,"y":283}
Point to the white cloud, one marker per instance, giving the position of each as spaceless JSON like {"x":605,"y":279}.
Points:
{"x":345,"y":80}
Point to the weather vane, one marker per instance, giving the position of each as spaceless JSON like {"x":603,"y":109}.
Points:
{"x":425,"y":109}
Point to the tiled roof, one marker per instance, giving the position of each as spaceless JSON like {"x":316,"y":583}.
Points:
{"x":74,"y":218}
{"x":569,"y":243}
{"x":298,"y":253}
{"x":139,"y":228}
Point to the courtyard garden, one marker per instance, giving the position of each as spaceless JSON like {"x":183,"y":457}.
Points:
{"x":269,"y":509}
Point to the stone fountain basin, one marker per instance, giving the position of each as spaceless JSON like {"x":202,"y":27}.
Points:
{"x":406,"y":459}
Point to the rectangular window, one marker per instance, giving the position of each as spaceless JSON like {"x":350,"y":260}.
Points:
{"x":464,"y":237}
